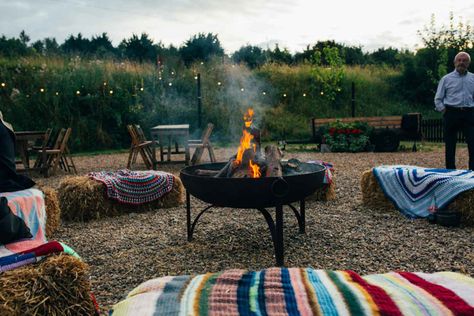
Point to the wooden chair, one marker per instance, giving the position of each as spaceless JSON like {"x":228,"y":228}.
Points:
{"x":140,"y":145}
{"x":201,"y":145}
{"x":58,"y":155}
{"x":39,"y":150}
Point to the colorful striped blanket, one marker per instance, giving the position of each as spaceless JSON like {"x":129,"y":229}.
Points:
{"x":135,"y":187}
{"x":417,"y":191}
{"x":29,"y":206}
{"x":296,"y":291}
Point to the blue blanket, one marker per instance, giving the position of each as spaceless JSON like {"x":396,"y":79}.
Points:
{"x":418,"y":191}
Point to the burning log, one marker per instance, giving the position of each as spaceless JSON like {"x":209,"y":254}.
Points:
{"x":273,"y":161}
{"x":227,"y":170}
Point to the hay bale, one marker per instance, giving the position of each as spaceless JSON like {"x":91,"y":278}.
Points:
{"x":53,"y":212}
{"x":325,"y":193}
{"x":82,"y":198}
{"x":373,"y":196}
{"x":59,"y":285}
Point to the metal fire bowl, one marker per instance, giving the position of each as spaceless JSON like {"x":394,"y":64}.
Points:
{"x":252,"y":192}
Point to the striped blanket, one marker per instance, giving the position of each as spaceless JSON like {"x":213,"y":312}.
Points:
{"x":135,"y":187}
{"x":417,"y":191}
{"x":296,"y":291}
{"x":29,"y":206}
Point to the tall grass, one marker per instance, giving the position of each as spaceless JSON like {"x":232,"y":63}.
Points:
{"x":98,"y":98}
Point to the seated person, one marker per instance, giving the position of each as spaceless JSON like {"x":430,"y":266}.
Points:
{"x":10,"y":180}
{"x":11,"y":227}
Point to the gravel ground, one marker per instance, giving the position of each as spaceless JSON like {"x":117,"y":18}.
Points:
{"x":341,"y":234}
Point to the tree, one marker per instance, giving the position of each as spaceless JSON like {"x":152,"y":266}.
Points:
{"x":423,"y":71}
{"x":385,"y":56}
{"x":201,"y":47}
{"x":280,"y":56}
{"x":24,"y":38}
{"x":12,"y":47}
{"x":101,"y":45}
{"x":76,"y":45}
{"x":253,"y":56}
{"x":138,"y":48}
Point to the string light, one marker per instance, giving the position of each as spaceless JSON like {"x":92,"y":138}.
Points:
{"x":242,"y":89}
{"x":78,"y":92}
{"x":219,"y":83}
{"x":170,"y":84}
{"x":172,"y":73}
{"x":322,"y":92}
{"x":196,"y":77}
{"x":284,"y":95}
{"x":159,"y":78}
{"x":202,"y":63}
{"x":264,"y":93}
{"x":57,"y":93}
{"x":141,"y":89}
{"x":304,"y":94}
{"x":111,"y":91}
{"x":42,"y":90}
{"x":3,"y":84}
{"x":105,"y":83}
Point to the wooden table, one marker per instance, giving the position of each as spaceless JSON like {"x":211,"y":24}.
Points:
{"x":23,"y":138}
{"x":168,"y":134}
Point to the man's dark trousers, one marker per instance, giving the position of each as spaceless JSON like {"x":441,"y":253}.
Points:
{"x":456,"y":119}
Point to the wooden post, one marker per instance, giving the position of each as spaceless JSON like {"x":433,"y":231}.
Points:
{"x":353,"y":99}
{"x":199,"y":99}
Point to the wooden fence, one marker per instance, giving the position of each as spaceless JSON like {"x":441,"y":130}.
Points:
{"x":432,"y":130}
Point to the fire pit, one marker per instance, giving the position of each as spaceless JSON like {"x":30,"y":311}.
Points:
{"x":253,"y":193}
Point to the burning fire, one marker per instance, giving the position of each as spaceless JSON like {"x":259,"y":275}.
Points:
{"x":246,"y":143}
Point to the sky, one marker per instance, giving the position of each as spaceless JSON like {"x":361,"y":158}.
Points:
{"x":292,"y":24}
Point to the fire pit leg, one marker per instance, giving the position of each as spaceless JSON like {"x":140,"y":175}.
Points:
{"x":278,"y":240}
{"x":190,"y":226}
{"x":300,"y":216}
{"x":303,"y":215}
{"x":188,"y":215}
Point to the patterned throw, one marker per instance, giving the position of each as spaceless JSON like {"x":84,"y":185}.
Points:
{"x":135,"y":187}
{"x":29,"y":206}
{"x":417,"y":191}
{"x":296,"y":291}
{"x":329,"y":170}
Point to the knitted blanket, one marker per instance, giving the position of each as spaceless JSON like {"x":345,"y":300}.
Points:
{"x":295,"y":291}
{"x":417,"y":191}
{"x":134,"y":187}
{"x":29,"y":206}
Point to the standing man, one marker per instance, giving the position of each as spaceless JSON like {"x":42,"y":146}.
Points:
{"x":455,"y":98}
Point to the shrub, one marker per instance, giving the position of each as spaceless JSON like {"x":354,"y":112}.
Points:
{"x":347,"y":137}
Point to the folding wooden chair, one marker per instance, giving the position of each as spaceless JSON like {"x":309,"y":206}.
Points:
{"x":201,"y":145}
{"x":59,"y":155}
{"x":140,"y":146}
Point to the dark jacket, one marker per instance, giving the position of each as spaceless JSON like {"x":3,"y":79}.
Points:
{"x":10,"y":180}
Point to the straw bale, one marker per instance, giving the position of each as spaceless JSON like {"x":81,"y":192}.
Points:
{"x":373,"y":196}
{"x":325,"y":193}
{"x":59,"y":285}
{"x":53,"y":212}
{"x":82,"y":198}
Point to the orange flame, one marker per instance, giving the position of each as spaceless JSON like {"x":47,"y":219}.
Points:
{"x":255,"y":170}
{"x":248,"y":117}
{"x":246,"y":143}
